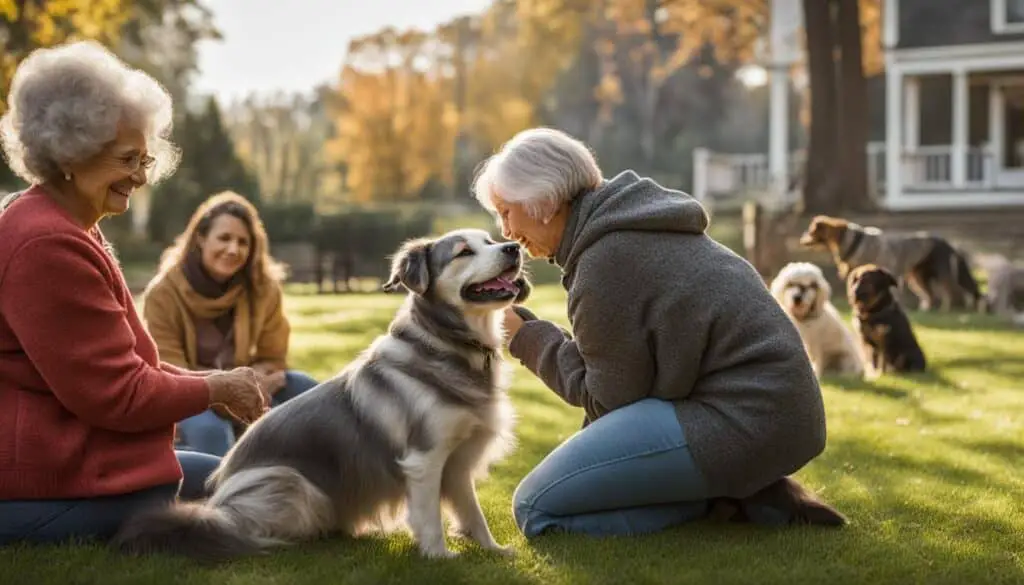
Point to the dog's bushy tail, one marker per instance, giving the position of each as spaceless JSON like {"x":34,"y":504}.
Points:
{"x":250,"y":511}
{"x":195,"y":530}
{"x":964,"y":278}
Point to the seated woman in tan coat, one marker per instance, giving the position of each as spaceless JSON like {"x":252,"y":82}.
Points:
{"x":216,"y":303}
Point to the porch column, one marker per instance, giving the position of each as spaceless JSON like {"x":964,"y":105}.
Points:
{"x":786,"y":20}
{"x":893,"y":127}
{"x":778,"y":137}
{"x":958,"y":158}
{"x":912,"y":112}
{"x":996,"y":133}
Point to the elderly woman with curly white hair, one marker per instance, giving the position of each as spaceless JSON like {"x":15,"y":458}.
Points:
{"x":698,"y":395}
{"x":87,"y":409}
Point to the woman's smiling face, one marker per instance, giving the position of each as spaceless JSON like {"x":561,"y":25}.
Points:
{"x":225,"y":249}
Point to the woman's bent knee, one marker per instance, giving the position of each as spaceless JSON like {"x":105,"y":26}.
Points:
{"x":528,"y":519}
{"x":196,"y":469}
{"x":207,"y":433}
{"x":533,"y":512}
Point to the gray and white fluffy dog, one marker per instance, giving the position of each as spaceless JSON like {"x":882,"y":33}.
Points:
{"x":407,"y":426}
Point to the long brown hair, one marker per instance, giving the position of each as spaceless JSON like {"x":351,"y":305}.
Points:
{"x":260,"y":268}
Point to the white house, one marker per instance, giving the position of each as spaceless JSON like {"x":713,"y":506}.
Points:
{"x":973,"y":50}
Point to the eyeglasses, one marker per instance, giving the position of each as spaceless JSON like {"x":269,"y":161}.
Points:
{"x":134,"y":162}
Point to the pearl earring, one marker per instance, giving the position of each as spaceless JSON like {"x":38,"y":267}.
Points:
{"x":547,"y":220}
{"x":67,"y":176}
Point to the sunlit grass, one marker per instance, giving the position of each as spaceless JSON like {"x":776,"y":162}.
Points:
{"x":927,"y":467}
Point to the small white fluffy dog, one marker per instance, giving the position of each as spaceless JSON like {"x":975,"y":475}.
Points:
{"x":803,"y":292}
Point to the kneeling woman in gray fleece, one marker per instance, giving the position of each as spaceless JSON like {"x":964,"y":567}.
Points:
{"x":699,"y":396}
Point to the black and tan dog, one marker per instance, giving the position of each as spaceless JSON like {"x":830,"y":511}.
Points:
{"x":885,"y":333}
{"x":929,"y":264}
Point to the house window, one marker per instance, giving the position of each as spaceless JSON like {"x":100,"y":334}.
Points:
{"x":1007,"y":16}
{"x":1014,"y":12}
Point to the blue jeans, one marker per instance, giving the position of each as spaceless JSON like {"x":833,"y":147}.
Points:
{"x":207,"y":432}
{"x":628,"y":472}
{"x":55,"y":521}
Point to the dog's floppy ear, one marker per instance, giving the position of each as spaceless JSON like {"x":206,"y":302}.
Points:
{"x":410,"y":267}
{"x":890,"y":280}
{"x":810,"y":235}
{"x":824,"y":291}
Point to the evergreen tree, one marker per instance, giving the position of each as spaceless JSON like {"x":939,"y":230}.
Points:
{"x":209,"y":165}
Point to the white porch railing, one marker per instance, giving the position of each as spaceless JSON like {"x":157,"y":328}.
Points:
{"x":721,"y":178}
{"x":931,"y":168}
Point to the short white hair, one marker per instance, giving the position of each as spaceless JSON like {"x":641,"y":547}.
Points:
{"x":65,"y":104}
{"x":540,"y":169}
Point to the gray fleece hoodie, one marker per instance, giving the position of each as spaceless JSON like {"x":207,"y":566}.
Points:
{"x":659,"y":309}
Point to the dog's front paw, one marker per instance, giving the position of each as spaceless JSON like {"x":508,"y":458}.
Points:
{"x":435,"y":552}
{"x":505,"y":551}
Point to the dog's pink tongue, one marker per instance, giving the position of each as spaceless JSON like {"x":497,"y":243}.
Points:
{"x":500,"y":283}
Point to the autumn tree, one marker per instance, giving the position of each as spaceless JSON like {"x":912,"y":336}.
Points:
{"x":643,"y":43}
{"x":26,"y":25}
{"x":394,"y":124}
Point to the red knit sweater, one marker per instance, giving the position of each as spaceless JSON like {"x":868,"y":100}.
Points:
{"x":86,"y":407}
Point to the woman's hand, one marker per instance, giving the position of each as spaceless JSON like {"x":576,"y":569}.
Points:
{"x":270,"y":376}
{"x":512,"y":323}
{"x":238,"y":392}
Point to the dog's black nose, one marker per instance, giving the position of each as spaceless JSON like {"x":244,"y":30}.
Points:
{"x":797,"y":299}
{"x":511,"y":249}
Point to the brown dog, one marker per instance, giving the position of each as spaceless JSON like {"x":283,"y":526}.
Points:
{"x":929,"y":264}
{"x":887,"y":339}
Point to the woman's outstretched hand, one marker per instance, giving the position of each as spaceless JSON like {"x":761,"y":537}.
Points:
{"x":238,"y":392}
{"x":512,"y":323}
{"x":515,"y":316}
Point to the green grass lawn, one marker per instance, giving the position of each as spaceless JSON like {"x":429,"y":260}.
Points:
{"x":928,"y":469}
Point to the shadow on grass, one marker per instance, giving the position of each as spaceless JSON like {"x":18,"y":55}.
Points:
{"x":879,"y":387}
{"x":1009,"y":453}
{"x":887,"y":385}
{"x":934,"y":377}
{"x":960,"y":321}
{"x":999,"y":363}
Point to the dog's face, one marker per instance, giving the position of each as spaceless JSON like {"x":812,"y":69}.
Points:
{"x":801,"y":289}
{"x":870,"y":287}
{"x":824,"y":231}
{"x":466,"y":269}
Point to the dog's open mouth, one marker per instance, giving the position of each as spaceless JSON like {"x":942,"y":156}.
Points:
{"x":500,"y":288}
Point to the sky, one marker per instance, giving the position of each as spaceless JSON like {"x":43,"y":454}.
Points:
{"x":295,"y":44}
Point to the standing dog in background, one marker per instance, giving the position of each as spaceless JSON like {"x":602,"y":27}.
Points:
{"x":408,"y":424}
{"x":929,"y":264}
{"x":804,"y":293}
{"x":885,"y":332}
{"x":1005,"y":284}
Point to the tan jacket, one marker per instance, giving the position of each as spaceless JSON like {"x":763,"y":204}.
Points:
{"x":261,"y":328}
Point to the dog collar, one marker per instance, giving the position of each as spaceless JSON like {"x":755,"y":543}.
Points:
{"x":858,"y":237}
